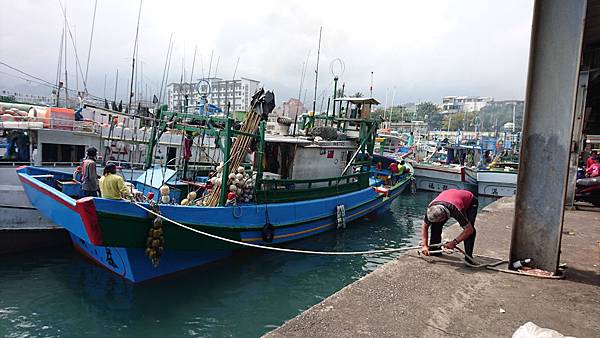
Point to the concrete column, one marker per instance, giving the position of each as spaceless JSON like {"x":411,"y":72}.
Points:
{"x":555,"y":52}
{"x":577,"y":139}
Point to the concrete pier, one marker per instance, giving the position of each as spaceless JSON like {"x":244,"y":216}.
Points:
{"x":22,"y":227}
{"x":430,"y":297}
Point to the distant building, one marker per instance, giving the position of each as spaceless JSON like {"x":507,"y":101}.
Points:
{"x":462,"y":104}
{"x":237,"y":92}
{"x":291,"y":108}
{"x":506,"y":103}
{"x":410,"y":108}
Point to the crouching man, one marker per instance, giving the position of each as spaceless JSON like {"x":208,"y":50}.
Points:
{"x":458,"y":204}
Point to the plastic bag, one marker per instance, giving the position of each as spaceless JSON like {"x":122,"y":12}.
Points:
{"x":530,"y":330}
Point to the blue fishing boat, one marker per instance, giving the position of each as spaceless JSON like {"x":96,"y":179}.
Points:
{"x":293,"y":187}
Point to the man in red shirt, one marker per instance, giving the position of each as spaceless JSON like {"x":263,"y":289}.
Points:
{"x":591,"y":160}
{"x":458,"y":204}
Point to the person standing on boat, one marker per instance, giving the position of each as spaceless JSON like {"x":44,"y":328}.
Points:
{"x":89,"y":176}
{"x":458,"y":204}
{"x":112,"y":185}
{"x":411,"y":140}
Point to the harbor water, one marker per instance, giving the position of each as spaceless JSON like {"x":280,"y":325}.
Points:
{"x":59,"y":293}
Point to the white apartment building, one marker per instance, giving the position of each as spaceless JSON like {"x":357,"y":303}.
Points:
{"x":237,"y":92}
{"x":461,"y":104}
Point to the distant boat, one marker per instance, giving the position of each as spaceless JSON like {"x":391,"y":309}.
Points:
{"x":493,"y":182}
{"x":440,"y":177}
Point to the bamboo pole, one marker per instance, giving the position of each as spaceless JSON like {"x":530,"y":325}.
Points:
{"x":237,"y":152}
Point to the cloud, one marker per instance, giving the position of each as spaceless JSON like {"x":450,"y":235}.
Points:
{"x":421,"y":49}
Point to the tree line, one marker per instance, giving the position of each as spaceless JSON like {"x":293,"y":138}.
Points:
{"x":489,"y":118}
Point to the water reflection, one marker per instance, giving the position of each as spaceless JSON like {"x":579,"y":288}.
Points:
{"x":60,"y":293}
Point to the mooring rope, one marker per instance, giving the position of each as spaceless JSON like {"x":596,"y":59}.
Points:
{"x":490,"y":266}
{"x":272,"y":248}
{"x":494,"y":265}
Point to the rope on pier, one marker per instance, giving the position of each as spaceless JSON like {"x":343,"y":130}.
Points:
{"x":272,"y":248}
{"x":494,"y":265}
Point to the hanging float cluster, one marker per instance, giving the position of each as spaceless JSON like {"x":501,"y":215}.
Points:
{"x":240,"y":183}
{"x":155,"y":240}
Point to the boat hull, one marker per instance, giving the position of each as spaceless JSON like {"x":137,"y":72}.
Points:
{"x":132,"y":263}
{"x":493,"y":183}
{"x":440,"y":178}
{"x":113,"y":233}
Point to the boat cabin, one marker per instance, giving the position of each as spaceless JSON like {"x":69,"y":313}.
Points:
{"x":299,"y":158}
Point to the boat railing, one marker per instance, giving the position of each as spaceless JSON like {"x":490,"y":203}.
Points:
{"x":46,"y":123}
{"x":288,"y":190}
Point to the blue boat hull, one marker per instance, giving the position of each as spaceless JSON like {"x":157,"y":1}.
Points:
{"x":77,"y":216}
{"x":132,"y":264}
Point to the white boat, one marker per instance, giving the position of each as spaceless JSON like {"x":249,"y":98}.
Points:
{"x":493,"y":182}
{"x":440,"y":177}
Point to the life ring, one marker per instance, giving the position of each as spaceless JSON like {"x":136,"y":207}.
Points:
{"x":268,"y":232}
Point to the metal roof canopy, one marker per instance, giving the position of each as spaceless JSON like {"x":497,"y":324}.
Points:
{"x":357,"y":100}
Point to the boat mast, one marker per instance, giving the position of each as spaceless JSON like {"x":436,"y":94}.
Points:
{"x":162,"y":82}
{"x":66,"y":75}
{"x":371,"y":88}
{"x":154,"y":135}
{"x":59,"y":68}
{"x":76,"y":70}
{"x":391,"y":115}
{"x":135,"y":49}
{"x":116,"y":86}
{"x":514,"y":118}
{"x":386,"y":103}
{"x":234,"y":74}
{"x":302,"y":76}
{"x":317,"y":71}
{"x":87,"y":67}
{"x":190,"y":88}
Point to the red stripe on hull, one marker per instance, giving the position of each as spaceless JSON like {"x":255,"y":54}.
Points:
{"x":87,"y":212}
{"x":47,"y":193}
{"x":84,"y":207}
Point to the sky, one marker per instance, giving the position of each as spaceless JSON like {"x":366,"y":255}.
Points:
{"x":417,"y":50}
